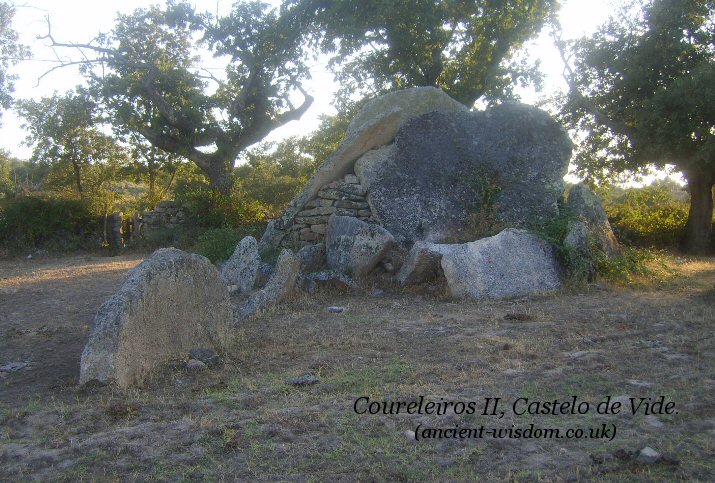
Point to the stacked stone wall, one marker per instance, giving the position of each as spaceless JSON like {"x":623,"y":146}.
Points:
{"x":343,"y":197}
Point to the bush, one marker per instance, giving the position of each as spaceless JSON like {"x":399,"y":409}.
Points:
{"x":219,"y":243}
{"x":48,"y":221}
{"x":650,"y":217}
{"x":209,"y":209}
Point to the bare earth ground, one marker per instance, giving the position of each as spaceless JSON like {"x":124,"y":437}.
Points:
{"x":244,"y":422}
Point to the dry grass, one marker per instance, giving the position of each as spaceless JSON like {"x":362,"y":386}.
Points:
{"x":244,"y":422}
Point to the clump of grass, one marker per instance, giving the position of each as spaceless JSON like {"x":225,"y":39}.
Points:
{"x":635,"y":267}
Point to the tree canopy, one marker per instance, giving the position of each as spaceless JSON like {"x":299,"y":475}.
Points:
{"x":11,"y":52}
{"x":152,"y":82}
{"x":462,"y":47}
{"x":65,"y":136}
{"x":642,"y":90}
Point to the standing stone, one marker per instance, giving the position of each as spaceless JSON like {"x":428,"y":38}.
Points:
{"x":584,"y":202}
{"x":510,"y":264}
{"x":280,"y":285}
{"x":375,"y":125}
{"x":242,"y":267}
{"x":449,"y":171}
{"x":170,"y":303}
{"x":355,"y":247}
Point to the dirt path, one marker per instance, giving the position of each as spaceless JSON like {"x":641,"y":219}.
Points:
{"x":244,"y":422}
{"x":46,"y":311}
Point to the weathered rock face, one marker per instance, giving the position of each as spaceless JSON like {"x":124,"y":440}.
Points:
{"x":169,"y":304}
{"x":584,"y":202}
{"x":509,"y":264}
{"x":280,"y":285}
{"x":411,"y":102}
{"x":242,"y":267}
{"x":374,"y":126}
{"x":447,"y":170}
{"x":355,"y":247}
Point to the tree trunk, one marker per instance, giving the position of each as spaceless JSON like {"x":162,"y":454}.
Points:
{"x":219,"y":178}
{"x":77,"y":177}
{"x":698,"y":230}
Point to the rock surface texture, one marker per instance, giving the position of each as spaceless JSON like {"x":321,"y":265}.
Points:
{"x":448,"y":172}
{"x":242,"y":267}
{"x":584,"y":203}
{"x":374,"y":126}
{"x":279,"y":286}
{"x":510,"y":264}
{"x":355,"y":247}
{"x":170,"y":303}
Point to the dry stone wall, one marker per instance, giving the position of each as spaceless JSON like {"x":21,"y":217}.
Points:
{"x":167,"y":215}
{"x":344,"y":197}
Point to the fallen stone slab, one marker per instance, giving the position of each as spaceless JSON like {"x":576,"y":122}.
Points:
{"x":170,"y":303}
{"x":510,"y":264}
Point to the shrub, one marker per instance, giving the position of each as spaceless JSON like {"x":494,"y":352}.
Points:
{"x":209,"y":209}
{"x":219,"y":243}
{"x":48,"y":221}
{"x":651,"y":216}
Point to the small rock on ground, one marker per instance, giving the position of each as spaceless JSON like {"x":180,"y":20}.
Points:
{"x":648,"y":455}
{"x":305,"y":380}
{"x":336,"y":310}
{"x":195,"y":365}
{"x":207,"y":356}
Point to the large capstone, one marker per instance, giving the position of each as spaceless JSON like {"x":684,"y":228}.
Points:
{"x":170,"y":303}
{"x":355,"y":247}
{"x":411,"y":102}
{"x":374,"y":126}
{"x":450,"y":175}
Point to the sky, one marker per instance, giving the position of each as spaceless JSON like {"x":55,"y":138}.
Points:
{"x":81,"y":20}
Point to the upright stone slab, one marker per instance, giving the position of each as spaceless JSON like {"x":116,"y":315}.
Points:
{"x":355,"y":247}
{"x":242,"y":267}
{"x":584,"y":202}
{"x":170,"y":303}
{"x":449,"y":171}
{"x":374,"y":126}
{"x":279,"y":286}
{"x":510,"y":264}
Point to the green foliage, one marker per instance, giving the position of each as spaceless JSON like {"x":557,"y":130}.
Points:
{"x":462,"y":47}
{"x":274,"y":174}
{"x":631,"y":266}
{"x":579,"y":266}
{"x":651,"y":216}
{"x":482,"y":208}
{"x":643,"y":92}
{"x":212,"y":209}
{"x":153,"y":84}
{"x":66,"y":137}
{"x":10,"y":53}
{"x":219,"y":243}
{"x":48,"y":221}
